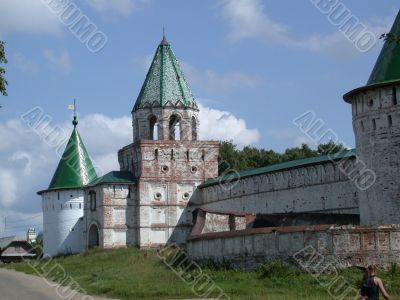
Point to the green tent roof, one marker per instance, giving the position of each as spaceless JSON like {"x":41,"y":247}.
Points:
{"x":114,"y":177}
{"x":279,"y":167}
{"x":165,"y":84}
{"x":387,"y":66}
{"x":75,"y":168}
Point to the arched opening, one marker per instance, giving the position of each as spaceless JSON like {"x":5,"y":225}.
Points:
{"x":93,"y":240}
{"x":194,"y":129}
{"x":153,"y":128}
{"x":175,"y":128}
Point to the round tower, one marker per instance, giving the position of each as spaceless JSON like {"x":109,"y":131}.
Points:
{"x":376,"y":125}
{"x":62,"y":201}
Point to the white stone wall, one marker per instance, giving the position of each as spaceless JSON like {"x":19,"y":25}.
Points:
{"x":62,"y":227}
{"x":376,"y":124}
{"x":316,"y":188}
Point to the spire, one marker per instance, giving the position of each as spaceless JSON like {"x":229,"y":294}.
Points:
{"x":75,"y":168}
{"x":165,"y":84}
{"x":387,"y":67}
{"x":75,"y":120}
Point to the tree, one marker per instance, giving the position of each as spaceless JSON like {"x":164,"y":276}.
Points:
{"x":3,"y":60}
{"x":231,"y":159}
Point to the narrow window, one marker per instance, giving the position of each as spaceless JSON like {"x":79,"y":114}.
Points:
{"x":194,"y":129}
{"x":390,"y":121}
{"x":187,"y":155}
{"x":373,"y":124}
{"x":156,"y":154}
{"x":174,"y":128}
{"x":394,"y":93}
{"x":58,"y":195}
{"x":153,"y":128}
{"x":92,"y":200}
{"x":70,"y":206}
{"x":203,"y":154}
{"x":80,"y":205}
{"x":362,"y":126}
{"x":114,"y":189}
{"x":172,"y":153}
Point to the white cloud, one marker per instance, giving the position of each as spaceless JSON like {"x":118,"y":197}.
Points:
{"x":59,"y":62}
{"x":247,"y":19}
{"x":120,"y":7}
{"x":223,"y":125}
{"x":214,"y":81}
{"x":8,"y":188}
{"x":30,"y":16}
{"x":23,"y":64}
{"x":291,"y":136}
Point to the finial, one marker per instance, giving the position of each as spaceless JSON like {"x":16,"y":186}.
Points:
{"x":75,"y":120}
{"x":164,"y":40}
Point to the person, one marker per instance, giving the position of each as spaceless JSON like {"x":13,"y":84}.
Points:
{"x":371,"y":285}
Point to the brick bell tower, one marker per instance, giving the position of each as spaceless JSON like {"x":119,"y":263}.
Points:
{"x":166,"y":157}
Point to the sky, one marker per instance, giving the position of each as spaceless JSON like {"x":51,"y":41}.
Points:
{"x":254,"y":66}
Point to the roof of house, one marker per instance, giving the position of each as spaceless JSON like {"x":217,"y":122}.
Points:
{"x":4,"y":241}
{"x":75,"y":168}
{"x":279,"y":167}
{"x":27,"y":250}
{"x":165,"y":84}
{"x":114,"y":177}
{"x":387,"y":66}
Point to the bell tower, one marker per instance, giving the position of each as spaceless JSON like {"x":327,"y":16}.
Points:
{"x":166,"y":156}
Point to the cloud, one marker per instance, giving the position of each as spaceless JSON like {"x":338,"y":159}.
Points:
{"x":28,"y":16}
{"x":213,"y":81}
{"x":291,"y":136}
{"x":23,"y":64}
{"x":59,"y":62}
{"x":120,"y":7}
{"x":247,"y":19}
{"x":223,"y":125}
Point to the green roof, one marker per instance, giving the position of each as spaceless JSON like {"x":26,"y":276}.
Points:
{"x":165,"y":84}
{"x":114,"y":177}
{"x":75,"y":168}
{"x":387,"y":66}
{"x":279,"y":167}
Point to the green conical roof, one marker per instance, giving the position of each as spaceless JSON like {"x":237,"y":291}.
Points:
{"x":165,"y":84}
{"x":75,"y":168}
{"x":387,"y":66}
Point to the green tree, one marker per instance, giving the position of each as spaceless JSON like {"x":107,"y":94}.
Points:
{"x":3,"y":60}
{"x":232,"y":159}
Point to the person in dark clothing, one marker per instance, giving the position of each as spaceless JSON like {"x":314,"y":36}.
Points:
{"x":371,"y":285}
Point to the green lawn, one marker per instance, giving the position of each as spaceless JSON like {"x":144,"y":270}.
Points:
{"x":137,"y":274}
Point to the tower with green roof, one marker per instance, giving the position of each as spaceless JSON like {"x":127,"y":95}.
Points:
{"x":376,"y":124}
{"x":166,"y":157}
{"x":63,"y":200}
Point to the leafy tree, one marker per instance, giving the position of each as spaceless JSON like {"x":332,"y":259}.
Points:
{"x":3,"y":60}
{"x":232,"y":159}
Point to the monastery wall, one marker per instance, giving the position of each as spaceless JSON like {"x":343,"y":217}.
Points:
{"x":322,"y":188}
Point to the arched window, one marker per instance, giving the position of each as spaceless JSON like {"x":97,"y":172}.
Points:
{"x":153,"y":128}
{"x":175,"y":128}
{"x":373,"y":124}
{"x":194,"y":129}
{"x":93,"y":239}
{"x":390,"y":121}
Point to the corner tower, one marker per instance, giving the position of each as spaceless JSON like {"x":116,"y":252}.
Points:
{"x":166,"y":156}
{"x":376,"y":124}
{"x":62,"y":201}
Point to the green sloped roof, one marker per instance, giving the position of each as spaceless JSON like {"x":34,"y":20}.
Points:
{"x":387,"y":67}
{"x":75,"y":168}
{"x":279,"y":167}
{"x":114,"y":177}
{"x":165,"y":83}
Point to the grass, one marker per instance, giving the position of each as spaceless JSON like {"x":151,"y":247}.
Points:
{"x":137,"y":274}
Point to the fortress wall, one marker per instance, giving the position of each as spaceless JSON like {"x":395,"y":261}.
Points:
{"x":322,"y":247}
{"x":315,"y":188}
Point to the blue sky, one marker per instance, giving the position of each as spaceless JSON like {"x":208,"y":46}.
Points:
{"x":253,"y":65}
